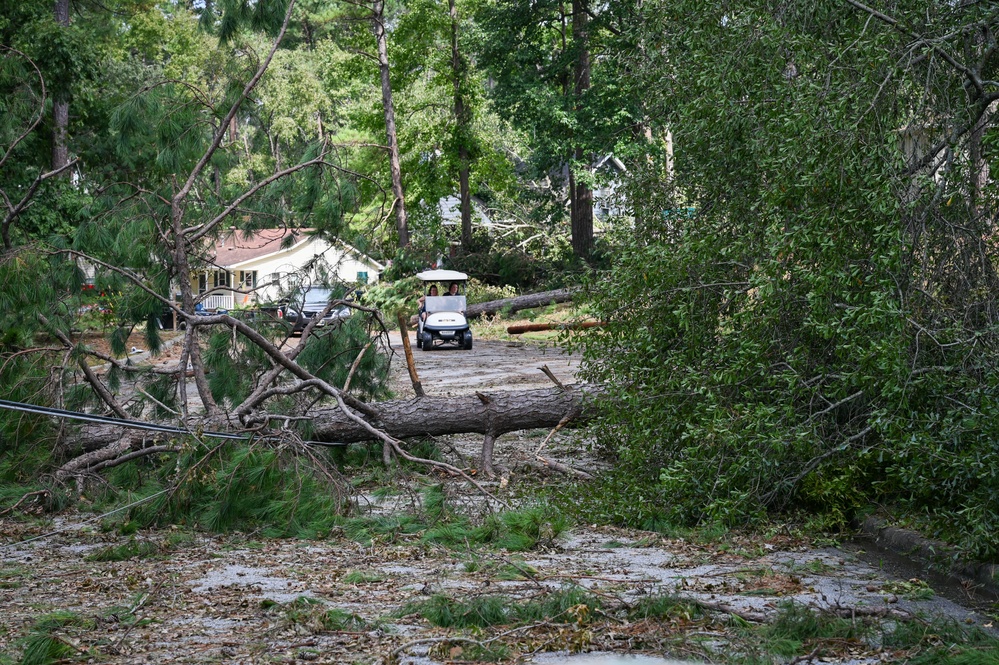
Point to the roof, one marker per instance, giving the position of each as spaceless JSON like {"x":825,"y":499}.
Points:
{"x":442,"y":276}
{"x":613,"y":161}
{"x":238,"y":247}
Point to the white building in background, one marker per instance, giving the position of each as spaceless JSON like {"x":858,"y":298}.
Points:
{"x":607,"y":201}
{"x":247,"y":268}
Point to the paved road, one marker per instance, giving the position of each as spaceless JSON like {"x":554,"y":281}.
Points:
{"x":490,"y":365}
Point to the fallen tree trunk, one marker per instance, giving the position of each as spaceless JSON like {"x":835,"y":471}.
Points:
{"x":490,"y":414}
{"x":483,"y":413}
{"x":515,"y":304}
{"x":518,"y":303}
{"x":544,"y":327}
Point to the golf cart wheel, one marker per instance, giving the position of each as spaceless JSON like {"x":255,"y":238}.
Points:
{"x":467,"y":340}
{"x":428,"y":341}
{"x":419,"y":342}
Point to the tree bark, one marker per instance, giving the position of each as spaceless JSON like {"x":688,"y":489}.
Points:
{"x":544,"y":327}
{"x":518,"y":303}
{"x":401,"y":224}
{"x":515,"y":304}
{"x":499,"y":412}
{"x":462,"y":128}
{"x":581,"y":196}
{"x":60,"y":104}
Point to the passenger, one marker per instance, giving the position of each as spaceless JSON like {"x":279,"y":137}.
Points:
{"x":453,"y":291}
{"x":432,"y":291}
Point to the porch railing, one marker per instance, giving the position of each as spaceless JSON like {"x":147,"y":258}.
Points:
{"x":218,"y":301}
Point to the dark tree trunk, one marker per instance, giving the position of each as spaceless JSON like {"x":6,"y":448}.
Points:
{"x":462,"y":128}
{"x":395,"y":166}
{"x":60,"y":104}
{"x":581,"y":196}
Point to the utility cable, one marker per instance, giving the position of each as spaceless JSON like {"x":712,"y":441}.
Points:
{"x":136,"y":424}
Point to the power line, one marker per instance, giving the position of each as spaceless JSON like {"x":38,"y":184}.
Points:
{"x":135,"y":424}
{"x":107,"y":420}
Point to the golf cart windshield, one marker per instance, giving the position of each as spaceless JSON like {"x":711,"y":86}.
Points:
{"x":445,"y":304}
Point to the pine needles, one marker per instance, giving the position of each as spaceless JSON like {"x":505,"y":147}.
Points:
{"x":569,"y":605}
{"x":236,"y":486}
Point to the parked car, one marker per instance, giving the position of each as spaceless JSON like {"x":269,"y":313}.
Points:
{"x":314,"y":300}
{"x":441,"y":319}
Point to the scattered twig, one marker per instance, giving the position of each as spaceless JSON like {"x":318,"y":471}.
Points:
{"x":22,"y":500}
{"x":545,"y":463}
{"x":562,"y":423}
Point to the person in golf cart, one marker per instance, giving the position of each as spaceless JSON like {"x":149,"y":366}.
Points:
{"x":442,"y":319}
{"x":432,"y":291}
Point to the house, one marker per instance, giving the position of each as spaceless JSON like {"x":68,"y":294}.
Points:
{"x":450,"y":212}
{"x":607,"y":201}
{"x":247,"y":268}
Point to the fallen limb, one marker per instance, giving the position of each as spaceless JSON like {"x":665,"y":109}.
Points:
{"x":24,"y":498}
{"x":546,"y":463}
{"x":544,"y":327}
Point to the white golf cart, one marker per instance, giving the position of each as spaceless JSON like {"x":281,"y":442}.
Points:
{"x":442,"y":317}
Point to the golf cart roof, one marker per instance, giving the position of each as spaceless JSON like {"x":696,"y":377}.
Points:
{"x":442,"y":276}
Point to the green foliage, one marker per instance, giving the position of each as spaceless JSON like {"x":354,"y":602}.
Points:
{"x":479,"y":612}
{"x":391,"y":297}
{"x":512,"y":530}
{"x":790,"y":322}
{"x":243,"y":486}
{"x":664,"y":607}
{"x":43,"y":644}
{"x":796,"y":626}
{"x":568,"y":605}
{"x":360,"y":577}
{"x":133,"y":549}
{"x":310,"y":615}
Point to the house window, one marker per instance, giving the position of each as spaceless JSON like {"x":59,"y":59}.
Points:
{"x":248,"y":279}
{"x":362,"y":277}
{"x":220,"y":278}
{"x":276,"y":278}
{"x":202,"y":282}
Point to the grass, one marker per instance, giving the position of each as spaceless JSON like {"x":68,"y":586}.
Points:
{"x":495,"y":327}
{"x":515,"y":530}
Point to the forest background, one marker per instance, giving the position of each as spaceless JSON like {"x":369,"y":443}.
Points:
{"x":798,"y":297}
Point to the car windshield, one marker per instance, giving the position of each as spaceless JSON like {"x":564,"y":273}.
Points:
{"x":445,"y":304}
{"x":317,"y":298}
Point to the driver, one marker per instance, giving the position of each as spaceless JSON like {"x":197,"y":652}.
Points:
{"x":432,"y":291}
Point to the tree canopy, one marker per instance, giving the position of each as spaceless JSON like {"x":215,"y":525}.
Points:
{"x":798,"y":290}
